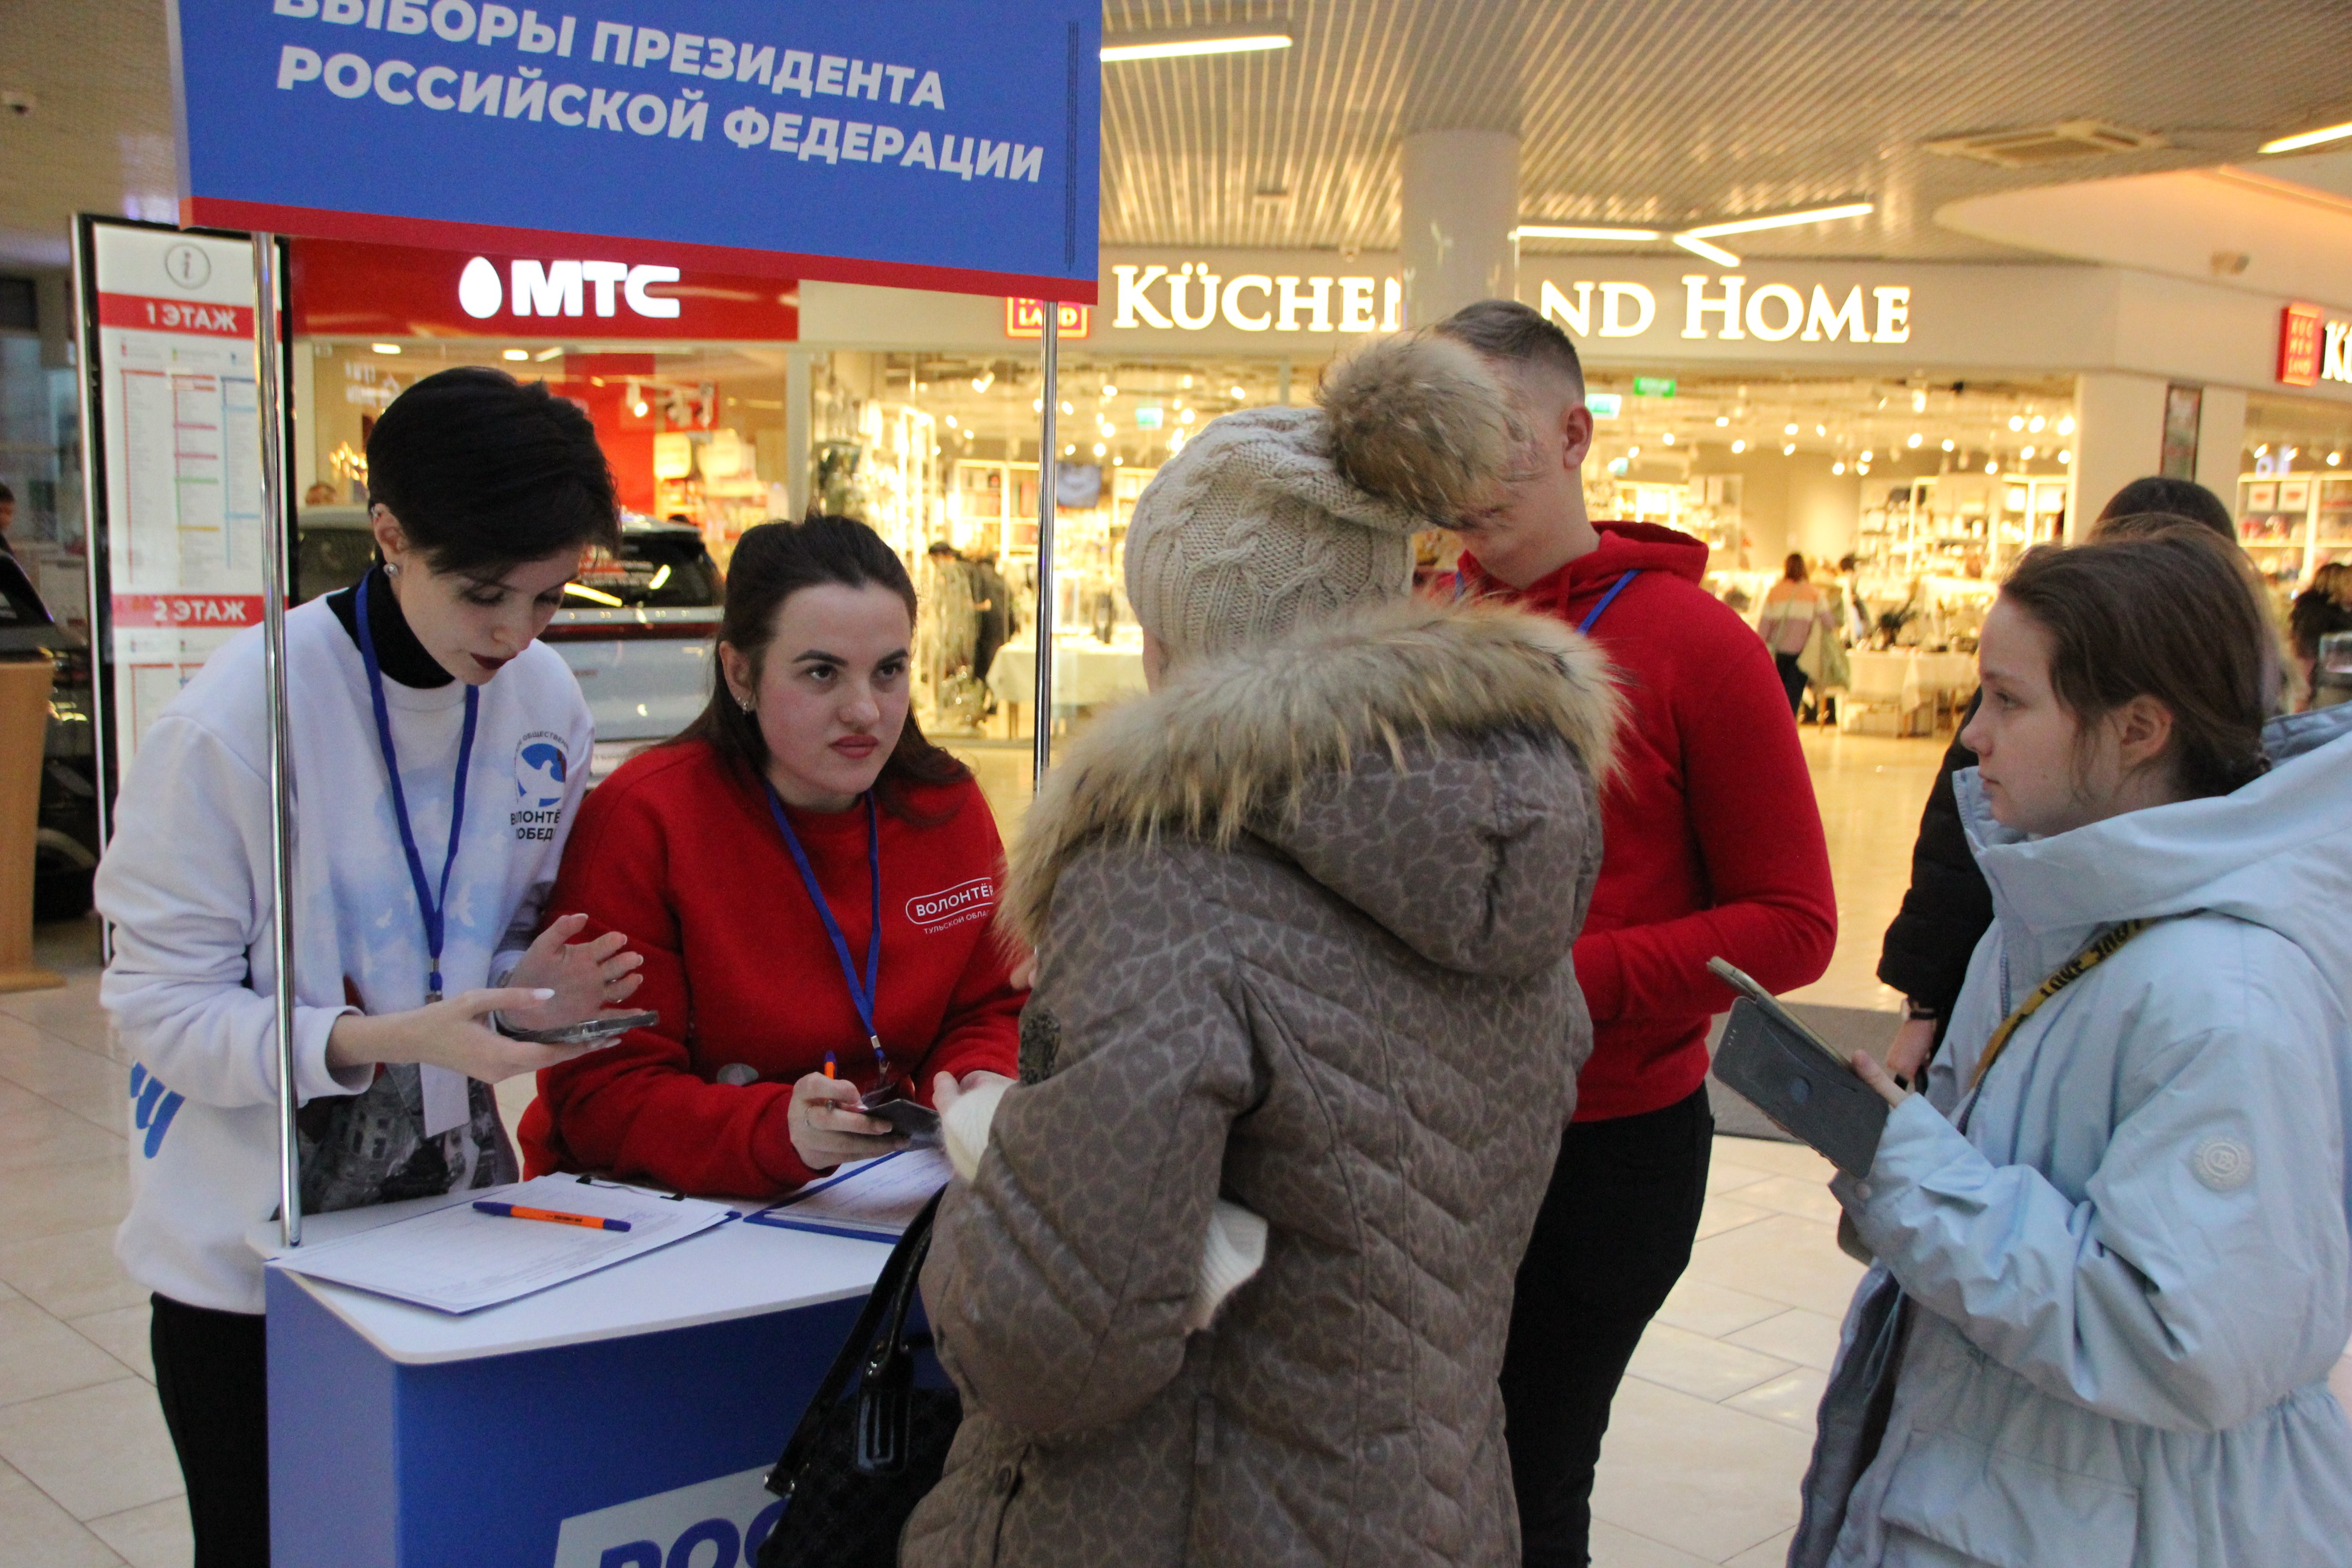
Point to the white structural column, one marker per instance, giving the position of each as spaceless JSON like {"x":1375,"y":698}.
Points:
{"x":2118,"y":438}
{"x":796,"y":433}
{"x":2221,"y":442}
{"x":1460,"y":208}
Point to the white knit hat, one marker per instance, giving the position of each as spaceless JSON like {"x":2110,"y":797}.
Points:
{"x":1270,"y":518}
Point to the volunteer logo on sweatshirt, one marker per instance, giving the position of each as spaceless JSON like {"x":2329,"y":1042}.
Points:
{"x":963,"y":902}
{"x":540,"y":767}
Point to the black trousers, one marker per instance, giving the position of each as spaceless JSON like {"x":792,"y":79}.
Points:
{"x":210,"y":1378}
{"x":1792,"y":682}
{"x":1613,"y":1236}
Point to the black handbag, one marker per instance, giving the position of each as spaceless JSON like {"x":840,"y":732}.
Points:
{"x":857,"y":1467}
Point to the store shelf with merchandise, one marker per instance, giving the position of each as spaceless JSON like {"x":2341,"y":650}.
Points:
{"x":2293,"y":524}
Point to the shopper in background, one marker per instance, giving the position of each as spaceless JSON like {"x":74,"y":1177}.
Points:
{"x":2113,"y":1264}
{"x":1924,"y":955}
{"x":1714,"y":847}
{"x":811,"y":881}
{"x":417,"y":692}
{"x":2318,"y":614}
{"x":997,"y":620}
{"x":1303,"y":919}
{"x":1793,"y":610}
{"x":7,"y":518}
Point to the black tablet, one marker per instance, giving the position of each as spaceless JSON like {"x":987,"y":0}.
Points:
{"x":1789,"y":1074}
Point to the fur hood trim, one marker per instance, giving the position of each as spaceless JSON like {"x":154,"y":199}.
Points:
{"x":1230,"y":741}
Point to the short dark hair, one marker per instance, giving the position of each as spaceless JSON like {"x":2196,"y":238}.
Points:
{"x":5,"y":493}
{"x":1514,"y":334}
{"x":483,"y":471}
{"x":2184,"y":499}
{"x":2316,"y":614}
{"x":2164,"y":616}
{"x":772,"y":563}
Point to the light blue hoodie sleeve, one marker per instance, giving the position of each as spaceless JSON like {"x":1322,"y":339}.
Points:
{"x":2197,"y":1282}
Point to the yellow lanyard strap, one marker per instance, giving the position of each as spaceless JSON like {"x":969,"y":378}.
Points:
{"x":2066,"y":974}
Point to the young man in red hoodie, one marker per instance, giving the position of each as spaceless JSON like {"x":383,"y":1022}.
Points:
{"x":1712,"y":845}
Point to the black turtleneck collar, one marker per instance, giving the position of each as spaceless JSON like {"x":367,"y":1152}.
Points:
{"x":397,"y":652}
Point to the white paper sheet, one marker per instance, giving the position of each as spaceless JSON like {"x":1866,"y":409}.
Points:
{"x":874,"y":1197}
{"x":458,"y":1260}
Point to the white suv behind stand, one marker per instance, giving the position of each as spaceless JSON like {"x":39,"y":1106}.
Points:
{"x":635,"y":628}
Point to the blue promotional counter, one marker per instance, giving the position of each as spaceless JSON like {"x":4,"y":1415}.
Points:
{"x":623,"y":1420}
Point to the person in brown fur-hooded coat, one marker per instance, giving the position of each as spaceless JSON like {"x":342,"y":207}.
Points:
{"x":1225,"y":1278}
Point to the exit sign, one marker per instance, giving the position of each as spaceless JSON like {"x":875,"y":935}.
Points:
{"x":1026,"y":319}
{"x":1654,"y":386}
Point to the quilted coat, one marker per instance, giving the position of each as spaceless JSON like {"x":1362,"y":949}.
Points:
{"x":1303,"y":921}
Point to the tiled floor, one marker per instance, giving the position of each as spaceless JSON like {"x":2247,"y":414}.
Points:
{"x":1708,"y":1437}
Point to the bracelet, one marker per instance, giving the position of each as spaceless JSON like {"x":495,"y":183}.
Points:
{"x":1918,"y":1013}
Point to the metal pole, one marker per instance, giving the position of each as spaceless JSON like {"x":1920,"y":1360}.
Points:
{"x":1048,"y":454}
{"x":270,"y":398}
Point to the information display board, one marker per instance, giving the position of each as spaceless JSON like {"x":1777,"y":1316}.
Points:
{"x":947,"y":144}
{"x":168,"y":328}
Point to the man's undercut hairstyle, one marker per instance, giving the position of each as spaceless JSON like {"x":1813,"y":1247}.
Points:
{"x":484,"y":473}
{"x":1511,"y":333}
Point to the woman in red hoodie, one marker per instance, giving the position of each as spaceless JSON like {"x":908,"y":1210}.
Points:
{"x":812,"y":883}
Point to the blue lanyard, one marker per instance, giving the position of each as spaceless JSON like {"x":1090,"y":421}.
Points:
{"x":1461,"y":586}
{"x":861,"y":997}
{"x":433,"y":911}
{"x":1606,"y":599}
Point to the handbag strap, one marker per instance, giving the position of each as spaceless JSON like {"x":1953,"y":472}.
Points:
{"x":892,"y":1295}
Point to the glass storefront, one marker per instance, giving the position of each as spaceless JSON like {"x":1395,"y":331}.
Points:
{"x":2294,"y":489}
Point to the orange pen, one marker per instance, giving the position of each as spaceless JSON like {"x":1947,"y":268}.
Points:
{"x":552,"y":1216}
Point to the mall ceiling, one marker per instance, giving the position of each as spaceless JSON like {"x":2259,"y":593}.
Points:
{"x":1629,"y":111}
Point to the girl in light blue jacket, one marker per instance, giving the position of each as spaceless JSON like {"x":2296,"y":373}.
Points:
{"x":2111,"y":1234}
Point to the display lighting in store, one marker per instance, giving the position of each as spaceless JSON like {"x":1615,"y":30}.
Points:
{"x":1098,"y":449}
{"x":2302,"y":139}
{"x":1632,"y":451}
{"x":1947,"y":443}
{"x":1186,"y":417}
{"x":2064,"y":456}
{"x":543,"y":355}
{"x":1991,"y":467}
{"x":1861,"y":468}
{"x":1777,"y":220}
{"x":1865,"y":455}
{"x":1739,"y":446}
{"x":1820,"y":430}
{"x":1837,"y":468}
{"x":1915,"y":440}
{"x":1069,"y":451}
{"x":1789,"y":450}
{"x":1238,"y":393}
{"x":1585,"y":231}
{"x":2017,"y":421}
{"x":951,"y":421}
{"x":1787,"y":429}
{"x":1191,"y":45}
{"x":638,"y":409}
{"x":1110,"y":390}
{"x":982,"y":382}
{"x":1919,"y":402}
{"x":1668,"y":438}
{"x":2026,"y":454}
{"x":385,"y":348}
{"x":1722,"y":421}
{"x":2334,"y":459}
{"x":1714,"y":253}
{"x":1036,"y":405}
{"x":1068,"y":409}
{"x":518,"y":353}
{"x":2036,"y":423}
{"x":2066,"y":424}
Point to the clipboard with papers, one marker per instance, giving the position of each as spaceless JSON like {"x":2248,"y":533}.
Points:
{"x":873,"y":1200}
{"x":456,"y":1259}
{"x":1792,"y":1076}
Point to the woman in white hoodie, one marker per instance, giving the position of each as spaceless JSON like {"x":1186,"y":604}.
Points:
{"x":2111,"y":1235}
{"x":438,"y":755}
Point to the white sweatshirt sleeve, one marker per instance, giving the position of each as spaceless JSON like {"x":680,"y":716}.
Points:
{"x":185,"y":884}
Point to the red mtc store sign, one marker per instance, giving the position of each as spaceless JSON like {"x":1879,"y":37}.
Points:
{"x":587,"y":306}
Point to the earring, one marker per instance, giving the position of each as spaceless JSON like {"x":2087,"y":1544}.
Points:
{"x":392,"y":568}
{"x":747,"y":704}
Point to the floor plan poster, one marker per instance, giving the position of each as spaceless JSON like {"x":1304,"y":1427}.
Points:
{"x":183,"y":445}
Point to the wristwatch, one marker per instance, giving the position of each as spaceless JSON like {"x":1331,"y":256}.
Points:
{"x":1919,"y":1012}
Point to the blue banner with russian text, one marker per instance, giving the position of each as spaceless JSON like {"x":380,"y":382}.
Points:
{"x":947,"y":144}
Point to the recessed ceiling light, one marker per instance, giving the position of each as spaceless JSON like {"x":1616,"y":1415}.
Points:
{"x":2064,"y":456}
{"x":543,"y":355}
{"x":1739,"y":446}
{"x":2301,"y":140}
{"x":1698,"y":246}
{"x":385,"y":348}
{"x":518,"y":353}
{"x":1585,"y":231}
{"x":1778,"y":220}
{"x":1182,"y":46}
{"x":1915,"y":439}
{"x":1837,"y":468}
{"x":1947,"y":443}
{"x":1789,"y":450}
{"x":1789,"y":430}
{"x":1722,"y":420}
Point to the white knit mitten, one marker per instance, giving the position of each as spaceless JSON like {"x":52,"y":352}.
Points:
{"x":1236,"y":1250}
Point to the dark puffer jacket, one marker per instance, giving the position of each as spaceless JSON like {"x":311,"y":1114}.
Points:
{"x":1303,"y":921}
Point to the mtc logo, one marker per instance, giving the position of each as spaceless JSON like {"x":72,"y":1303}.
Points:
{"x":717,"y":1523}
{"x":563,"y":288}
